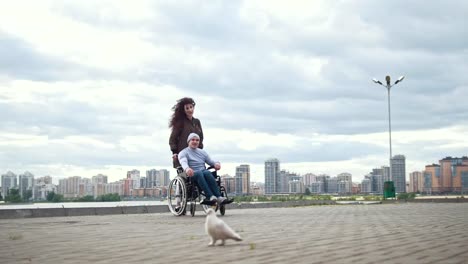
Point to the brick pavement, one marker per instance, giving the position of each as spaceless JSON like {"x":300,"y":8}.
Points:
{"x":386,"y":233}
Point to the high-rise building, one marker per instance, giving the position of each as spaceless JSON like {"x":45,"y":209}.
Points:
{"x":115,"y":187}
{"x":151,"y":178}
{"x":229,"y":183}
{"x":317,"y":187}
{"x":377,"y":183}
{"x":100,"y":178}
{"x":376,"y":180}
{"x":62,"y":186}
{"x":46,"y":179}
{"x":450,"y":175}
{"x":88,"y":188}
{"x":134,"y":175}
{"x":416,"y":181}
{"x":272,"y":176}
{"x":332,"y":185}
{"x":386,"y":174}
{"x":432,"y":182}
{"x":345,"y":187}
{"x":74,"y":186}
{"x":323,"y":187}
{"x":296,"y":185}
{"x":69,"y":187}
{"x":285,"y":178}
{"x":26,"y":184}
{"x":399,"y":173}
{"x":9,"y":180}
{"x":42,"y":187}
{"x":257,"y":188}
{"x":452,"y":171}
{"x":356,"y":188}
{"x":242,"y":179}
{"x":143,"y":182}
{"x":345,"y":182}
{"x":163,"y":177}
{"x":309,"y":178}
{"x":345,"y":177}
{"x":366,"y":185}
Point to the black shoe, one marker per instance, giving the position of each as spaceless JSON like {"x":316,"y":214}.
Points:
{"x":177,"y":209}
{"x":208,"y":202}
{"x":227,"y":201}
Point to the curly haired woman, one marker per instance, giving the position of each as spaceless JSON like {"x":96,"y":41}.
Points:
{"x":183,"y":123}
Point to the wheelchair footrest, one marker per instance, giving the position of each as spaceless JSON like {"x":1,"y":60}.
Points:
{"x":227,"y":201}
{"x":208,"y":202}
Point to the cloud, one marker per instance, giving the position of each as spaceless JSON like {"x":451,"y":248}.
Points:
{"x":87,"y":87}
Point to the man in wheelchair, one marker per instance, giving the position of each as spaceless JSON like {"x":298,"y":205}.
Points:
{"x":193,"y":160}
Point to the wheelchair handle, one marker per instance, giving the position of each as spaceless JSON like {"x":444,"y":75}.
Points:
{"x":214,"y":172}
{"x":212,"y":168}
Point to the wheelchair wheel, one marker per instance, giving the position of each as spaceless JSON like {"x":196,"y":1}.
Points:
{"x":222,"y":208}
{"x":177,"y":196}
{"x":193,"y":207}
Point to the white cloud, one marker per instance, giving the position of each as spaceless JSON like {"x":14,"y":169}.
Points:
{"x":87,"y":87}
{"x":59,"y":36}
{"x":9,"y":139}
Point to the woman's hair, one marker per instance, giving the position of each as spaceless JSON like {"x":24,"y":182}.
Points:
{"x":179,"y":111}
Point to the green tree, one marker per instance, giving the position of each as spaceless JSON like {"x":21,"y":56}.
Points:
{"x":13,"y":196}
{"x":402,"y":196}
{"x":307,"y":191}
{"x":110,"y":197}
{"x":58,"y":198}
{"x":50,"y":196}
{"x":28,"y":195}
{"x":406,"y":196}
{"x":87,"y":198}
{"x":54,"y":197}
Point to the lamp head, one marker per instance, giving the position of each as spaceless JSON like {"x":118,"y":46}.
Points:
{"x":387,"y":79}
{"x":400,"y":79}
{"x":376,"y":81}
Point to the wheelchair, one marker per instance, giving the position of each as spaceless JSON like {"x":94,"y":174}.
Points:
{"x":183,"y":193}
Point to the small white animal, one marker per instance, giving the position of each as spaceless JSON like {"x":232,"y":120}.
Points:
{"x":217,"y":229}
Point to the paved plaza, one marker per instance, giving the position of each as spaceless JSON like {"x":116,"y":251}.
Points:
{"x":384,"y":233}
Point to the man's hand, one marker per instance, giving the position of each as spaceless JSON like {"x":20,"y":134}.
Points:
{"x":189,"y":172}
{"x":217,"y":166}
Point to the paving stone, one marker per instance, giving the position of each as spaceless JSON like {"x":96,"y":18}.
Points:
{"x":386,"y":233}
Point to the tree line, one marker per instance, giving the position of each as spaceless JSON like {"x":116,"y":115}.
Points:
{"x":14,"y":196}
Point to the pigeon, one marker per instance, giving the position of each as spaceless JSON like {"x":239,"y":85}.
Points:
{"x":218,"y":230}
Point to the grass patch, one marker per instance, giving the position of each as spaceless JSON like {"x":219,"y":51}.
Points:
{"x":252,"y":246}
{"x":12,"y":236}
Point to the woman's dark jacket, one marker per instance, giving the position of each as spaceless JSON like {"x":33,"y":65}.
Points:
{"x":180,"y":133}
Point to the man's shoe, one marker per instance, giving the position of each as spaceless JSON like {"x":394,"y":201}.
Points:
{"x":208,"y":202}
{"x":228,"y":201}
{"x":221,"y":199}
{"x":213,"y":198}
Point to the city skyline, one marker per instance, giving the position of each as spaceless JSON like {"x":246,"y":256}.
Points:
{"x":449,"y":176}
{"x":383,"y":171}
{"x":87,"y":88}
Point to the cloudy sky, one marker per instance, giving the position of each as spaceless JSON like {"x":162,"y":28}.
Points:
{"x":87,"y":86}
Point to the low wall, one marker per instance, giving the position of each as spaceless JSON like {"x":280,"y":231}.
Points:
{"x":431,"y":200}
{"x":54,"y":212}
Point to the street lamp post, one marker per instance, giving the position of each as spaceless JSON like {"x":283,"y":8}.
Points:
{"x":388,"y":86}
